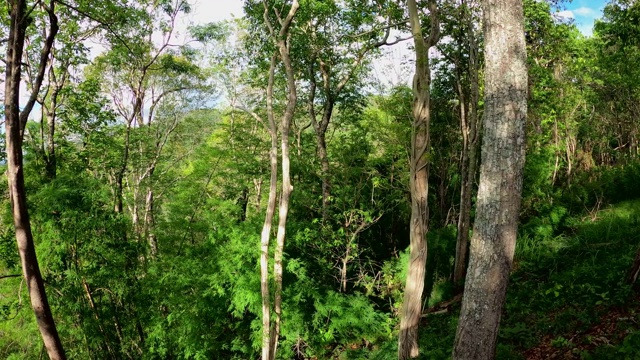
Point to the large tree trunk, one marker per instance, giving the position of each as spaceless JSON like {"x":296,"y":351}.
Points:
{"x":15,"y":122}
{"x":469,"y":126}
{"x":499,"y":193}
{"x":419,"y":173}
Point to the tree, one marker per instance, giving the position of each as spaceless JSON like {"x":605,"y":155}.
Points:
{"x":15,"y":123}
{"x":280,"y":41}
{"x":335,"y":44}
{"x":470,"y":123}
{"x":418,"y":182}
{"x":501,"y":171}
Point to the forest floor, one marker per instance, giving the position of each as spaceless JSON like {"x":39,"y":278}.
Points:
{"x":567,"y":298}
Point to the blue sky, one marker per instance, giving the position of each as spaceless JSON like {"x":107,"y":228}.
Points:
{"x":584,"y":12}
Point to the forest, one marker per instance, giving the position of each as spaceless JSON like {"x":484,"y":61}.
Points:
{"x":257,"y":188}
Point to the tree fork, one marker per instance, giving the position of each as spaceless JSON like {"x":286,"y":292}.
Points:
{"x":15,"y":122}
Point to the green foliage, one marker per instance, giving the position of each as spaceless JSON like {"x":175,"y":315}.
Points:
{"x":207,"y":169}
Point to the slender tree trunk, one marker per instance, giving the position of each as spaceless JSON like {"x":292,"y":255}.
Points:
{"x":119,"y":207}
{"x":268,"y":220}
{"x":92,"y":305}
{"x":634,"y":271}
{"x":287,"y":188}
{"x":149,"y":224}
{"x":51,"y":164}
{"x":499,"y":193}
{"x":411,"y":312}
{"x":320,"y":129}
{"x":462,"y":240}
{"x":280,"y":38}
{"x":24,"y":236}
{"x":470,"y":152}
{"x":258,"y":186}
{"x":15,"y":122}
{"x":324,"y":167}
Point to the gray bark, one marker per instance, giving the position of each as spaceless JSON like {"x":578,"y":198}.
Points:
{"x":268,"y":220}
{"x":499,"y":193}
{"x":285,"y":125}
{"x":15,"y":122}
{"x":411,"y":311}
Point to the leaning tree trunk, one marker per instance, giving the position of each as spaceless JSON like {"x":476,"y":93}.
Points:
{"x":499,"y":193}
{"x":411,"y":312}
{"x":15,"y":122}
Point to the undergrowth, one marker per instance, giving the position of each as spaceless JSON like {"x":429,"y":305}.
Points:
{"x":562,"y":284}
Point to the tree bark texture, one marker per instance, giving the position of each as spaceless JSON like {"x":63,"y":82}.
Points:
{"x":280,"y":37}
{"x":499,"y":193}
{"x":15,"y":122}
{"x":287,"y":188}
{"x":411,"y":312}
{"x":268,"y":220}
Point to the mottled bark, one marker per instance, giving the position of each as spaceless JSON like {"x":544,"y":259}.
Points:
{"x":411,"y":311}
{"x":15,"y":122}
{"x":280,"y":38}
{"x":499,"y":193}
{"x":285,"y":127}
{"x":268,"y":220}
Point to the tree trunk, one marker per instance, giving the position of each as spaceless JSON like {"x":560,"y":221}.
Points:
{"x":268,"y":220}
{"x":499,"y":193}
{"x":258,"y":186}
{"x":324,"y":167}
{"x":149,"y":224}
{"x":470,"y":126}
{"x":462,"y":238}
{"x":287,"y":188}
{"x":634,"y":271}
{"x":320,"y":129}
{"x":15,"y":122}
{"x":419,"y":174}
{"x":119,"y":207}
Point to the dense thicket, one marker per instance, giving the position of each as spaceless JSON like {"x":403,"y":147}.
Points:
{"x":148,"y":165}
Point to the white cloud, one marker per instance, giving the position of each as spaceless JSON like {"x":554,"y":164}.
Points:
{"x":568,"y":14}
{"x":586,"y":12}
{"x":586,"y":29}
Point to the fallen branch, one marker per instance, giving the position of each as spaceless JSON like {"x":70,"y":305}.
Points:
{"x":9,"y":276}
{"x":443,"y":307}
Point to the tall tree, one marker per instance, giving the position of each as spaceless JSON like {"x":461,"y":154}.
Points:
{"x":15,"y":122}
{"x":337,"y":41}
{"x":469,"y":126}
{"x":278,"y":26}
{"x":418,"y":182}
{"x":501,"y":170}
